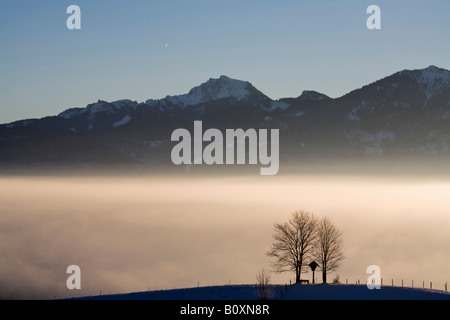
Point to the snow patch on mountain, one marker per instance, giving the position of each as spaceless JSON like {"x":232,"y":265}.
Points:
{"x":371,"y":142}
{"x":100,"y":106}
{"x":366,"y":137}
{"x":278,"y":105}
{"x":353,"y":115}
{"x":122,"y":122}
{"x":431,"y":80}
{"x":152,"y":102}
{"x":119,"y":104}
{"x":71,"y":113}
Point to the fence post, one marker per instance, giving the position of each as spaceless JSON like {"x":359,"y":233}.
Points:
{"x":431,"y":285}
{"x":412,"y":283}
{"x":424,"y":284}
{"x":446,"y":287}
{"x":402,"y":282}
{"x":392,"y":282}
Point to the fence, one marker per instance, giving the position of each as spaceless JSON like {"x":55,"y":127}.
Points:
{"x":410,"y":284}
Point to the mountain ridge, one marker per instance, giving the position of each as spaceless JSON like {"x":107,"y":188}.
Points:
{"x":405,"y":114}
{"x":193,"y":97}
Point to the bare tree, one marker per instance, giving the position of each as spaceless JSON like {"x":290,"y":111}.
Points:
{"x":263,"y":280}
{"x":293,"y":242}
{"x":328,"y":249}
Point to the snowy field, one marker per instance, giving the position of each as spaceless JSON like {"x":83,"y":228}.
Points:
{"x":281,"y":292}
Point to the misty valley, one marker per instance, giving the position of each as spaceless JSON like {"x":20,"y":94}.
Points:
{"x":129,"y":234}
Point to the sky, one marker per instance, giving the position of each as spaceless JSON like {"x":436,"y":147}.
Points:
{"x":141,"y":50}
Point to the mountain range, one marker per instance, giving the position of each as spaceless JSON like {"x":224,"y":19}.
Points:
{"x":406,"y":114}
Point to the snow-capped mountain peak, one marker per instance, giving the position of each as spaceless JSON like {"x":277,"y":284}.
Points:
{"x":213,"y":89}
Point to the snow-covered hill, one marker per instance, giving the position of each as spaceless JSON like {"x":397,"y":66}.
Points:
{"x":281,"y":292}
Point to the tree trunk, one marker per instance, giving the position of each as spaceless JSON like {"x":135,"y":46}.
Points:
{"x":324,"y":276}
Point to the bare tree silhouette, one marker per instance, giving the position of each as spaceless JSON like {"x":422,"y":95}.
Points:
{"x":293,"y":242}
{"x":328,"y":249}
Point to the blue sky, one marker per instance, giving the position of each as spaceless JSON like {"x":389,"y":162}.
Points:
{"x":281,"y":47}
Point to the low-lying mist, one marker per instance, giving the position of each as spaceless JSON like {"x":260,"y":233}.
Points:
{"x":145,"y":233}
